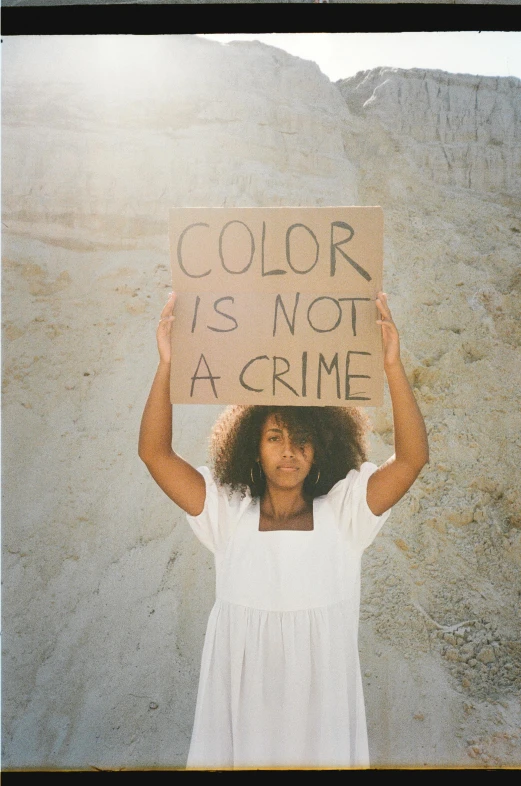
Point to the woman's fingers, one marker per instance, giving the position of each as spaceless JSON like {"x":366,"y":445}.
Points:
{"x":164,"y":328}
{"x":167,"y":314}
{"x":168,"y":308}
{"x":383,"y":308}
{"x":391,"y":341}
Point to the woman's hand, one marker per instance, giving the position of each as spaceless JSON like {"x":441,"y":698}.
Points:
{"x":391,"y":481}
{"x":164,"y":329}
{"x":391,"y":339}
{"x":179,"y":480}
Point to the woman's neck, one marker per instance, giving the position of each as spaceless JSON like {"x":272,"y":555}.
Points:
{"x":283,"y":505}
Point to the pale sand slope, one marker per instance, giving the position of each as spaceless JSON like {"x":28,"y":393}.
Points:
{"x":106,"y":591}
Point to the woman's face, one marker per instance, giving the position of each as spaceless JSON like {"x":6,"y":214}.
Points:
{"x":285,"y":464}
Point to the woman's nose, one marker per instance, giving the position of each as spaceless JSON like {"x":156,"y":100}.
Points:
{"x":289,"y":448}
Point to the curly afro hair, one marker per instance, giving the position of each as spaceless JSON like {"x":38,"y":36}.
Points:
{"x":338,"y":435}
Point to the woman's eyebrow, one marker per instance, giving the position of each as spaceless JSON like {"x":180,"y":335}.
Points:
{"x":278,"y":430}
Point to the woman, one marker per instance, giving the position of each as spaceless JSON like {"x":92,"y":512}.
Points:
{"x":288,"y":512}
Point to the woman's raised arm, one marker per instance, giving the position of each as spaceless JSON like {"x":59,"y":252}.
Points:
{"x":395,"y":477}
{"x":178,"y":479}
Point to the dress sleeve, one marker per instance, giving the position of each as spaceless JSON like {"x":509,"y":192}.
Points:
{"x":348,"y":498}
{"x":214,"y":525}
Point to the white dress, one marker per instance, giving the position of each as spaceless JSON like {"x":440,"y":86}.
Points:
{"x":280,"y":682}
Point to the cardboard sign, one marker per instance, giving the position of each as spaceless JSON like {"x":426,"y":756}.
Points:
{"x":277,"y":306}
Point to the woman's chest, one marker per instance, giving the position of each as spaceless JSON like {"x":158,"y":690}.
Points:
{"x":285,"y":569}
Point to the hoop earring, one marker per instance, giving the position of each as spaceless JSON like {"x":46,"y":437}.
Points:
{"x":254,"y":482}
{"x":318,"y":477}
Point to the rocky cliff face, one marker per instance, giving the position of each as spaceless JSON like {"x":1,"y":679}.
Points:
{"x":101,"y":577}
{"x":462,"y":130}
{"x":193,"y":126}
